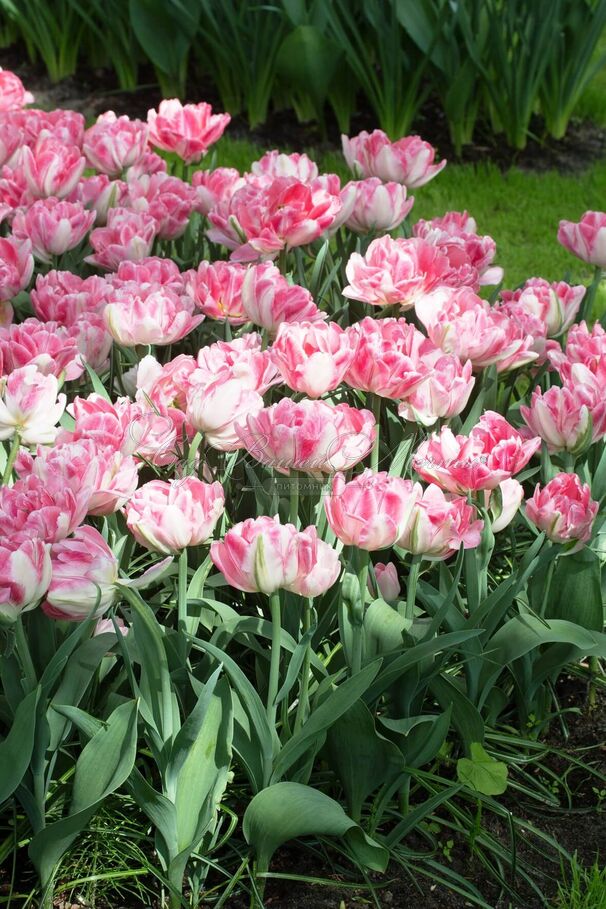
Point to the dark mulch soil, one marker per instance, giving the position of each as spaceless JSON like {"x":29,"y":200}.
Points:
{"x":94,"y":91}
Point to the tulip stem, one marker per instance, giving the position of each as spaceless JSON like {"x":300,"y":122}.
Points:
{"x":294,"y":498}
{"x":14,"y":450}
{"x":182,"y":593}
{"x":25,"y":656}
{"x":303,"y":705}
{"x":587,"y":303}
{"x":376,"y":410}
{"x":358,"y":622}
{"x":411,"y":588}
{"x":274,"y":666}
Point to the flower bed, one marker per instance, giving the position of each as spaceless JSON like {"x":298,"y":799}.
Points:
{"x":296,"y":498}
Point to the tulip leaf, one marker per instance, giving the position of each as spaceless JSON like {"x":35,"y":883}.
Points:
{"x":288,"y":810}
{"x":481,"y":772}
{"x":575,"y":592}
{"x":384,"y":628}
{"x":308,"y":60}
{"x":16,"y":749}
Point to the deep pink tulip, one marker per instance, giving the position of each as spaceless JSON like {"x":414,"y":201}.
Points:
{"x":216,"y":288}
{"x":48,"y":509}
{"x":261,"y":554}
{"x":408,"y":161}
{"x":386,"y":357}
{"x":60,"y":296}
{"x":378,"y":206}
{"x":46,"y":345}
{"x":11,"y":140}
{"x":440,"y":524}
{"x":51,"y":168}
{"x":311,"y":436}
{"x":312,"y":357}
{"x":443,"y":393}
{"x":187,"y":130}
{"x":25,"y":573}
{"x":167,"y":517}
{"x":16,"y":266}
{"x":372,"y":510}
{"x":12,"y":93}
{"x":114,"y":143}
{"x":268,"y":299}
{"x":564,"y":510}
{"x":493,"y":451}
{"x":586,"y":239}
{"x":169,"y":200}
{"x":31,"y":406}
{"x":147,"y":271}
{"x":84,"y":575}
{"x":469,"y":255}
{"x":128,"y":235}
{"x":53,"y":227}
{"x":394,"y":272}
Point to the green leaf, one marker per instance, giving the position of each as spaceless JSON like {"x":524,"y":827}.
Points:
{"x":288,"y":810}
{"x":16,"y":749}
{"x":308,"y":60}
{"x":481,"y":772}
{"x":163,"y":32}
{"x":384,"y":628}
{"x":575,"y":592}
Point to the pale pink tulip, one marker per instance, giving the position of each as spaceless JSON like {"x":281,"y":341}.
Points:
{"x":16,"y":266}
{"x":216,"y":288}
{"x":167,"y":517}
{"x":12,"y":93}
{"x":503,"y":503}
{"x":311,"y":436}
{"x":394,"y":272}
{"x":242,"y":358}
{"x":386,"y":357}
{"x":114,"y":143}
{"x":586,"y":239}
{"x":555,"y":304}
{"x":84,"y":576}
{"x":25,"y":573}
{"x":51,"y":168}
{"x":372,"y":510}
{"x":128,"y":235}
{"x":443,"y":393}
{"x":469,"y":255}
{"x":150,"y":317}
{"x":53,"y":227}
{"x":312,"y":357}
{"x":187,"y":130}
{"x":169,"y":200}
{"x":100,"y":194}
{"x":493,"y":451}
{"x":30,"y":406}
{"x":388,"y":583}
{"x":46,"y":345}
{"x":584,"y":347}
{"x":150,"y":164}
{"x":564,"y":510}
{"x":149,"y":270}
{"x":268,"y":299}
{"x":277,"y":164}
{"x":214,"y":409}
{"x":93,"y":340}
{"x":109,"y":626}
{"x":60,"y":296}
{"x":378,"y":206}
{"x":569,"y":418}
{"x":11,"y":140}
{"x":260,"y":554}
{"x":408,"y":161}
{"x":48,"y":509}
{"x":214,"y":187}
{"x":440,"y":524}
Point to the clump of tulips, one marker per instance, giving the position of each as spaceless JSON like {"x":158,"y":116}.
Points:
{"x":275,"y":470}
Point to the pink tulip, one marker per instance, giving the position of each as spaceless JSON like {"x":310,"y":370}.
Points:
{"x":276,"y":164}
{"x":242,"y":358}
{"x":16,"y":266}
{"x":51,"y":168}
{"x":114,"y":143}
{"x":443,"y":393}
{"x":214,"y":187}
{"x":372,"y":510}
{"x":386,"y":357}
{"x":25,"y":573}
{"x":45,"y":345}
{"x":167,"y":517}
{"x":584,"y":347}
{"x":128,"y":235}
{"x":408,"y":161}
{"x":503,"y":503}
{"x":564,"y":510}
{"x":260,"y":554}
{"x":215,"y":408}
{"x":48,"y":509}
{"x":84,"y":576}
{"x":461,"y":323}
{"x":569,"y":418}
{"x":93,"y":340}
{"x":11,"y":140}
{"x":586,"y":239}
{"x":394,"y":271}
{"x":469,"y":255}
{"x":261,"y":219}
{"x":268,"y":299}
{"x":388,"y":583}
{"x":555,"y":304}
{"x":30,"y":406}
{"x":187,"y":130}
{"x":378,"y":206}
{"x":311,"y":436}
{"x":150,"y":164}
{"x":12,"y":93}
{"x":216,"y":288}
{"x":439,"y":525}
{"x":100,"y":194}
{"x":107,"y":626}
{"x":494,"y":451}
{"x":157,"y":316}
{"x":147,"y":271}
{"x":60,"y":296}
{"x":313,"y":357}
{"x":53,"y":227}
{"x":169,"y":200}
{"x":66,"y":126}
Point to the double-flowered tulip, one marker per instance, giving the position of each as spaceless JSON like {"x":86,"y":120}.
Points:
{"x":564,"y":510}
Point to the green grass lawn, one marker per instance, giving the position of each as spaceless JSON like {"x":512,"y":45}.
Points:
{"x":520,"y":209}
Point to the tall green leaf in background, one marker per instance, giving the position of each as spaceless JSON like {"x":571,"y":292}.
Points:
{"x":166,"y":29}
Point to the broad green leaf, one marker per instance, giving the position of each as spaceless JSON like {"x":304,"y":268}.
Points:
{"x":465,"y":717}
{"x":288,"y":810}
{"x":155,"y":684}
{"x":308,"y":60}
{"x":481,"y":772}
{"x":16,"y":749}
{"x":384,"y":628}
{"x":162,"y":32}
{"x":575,"y":592}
